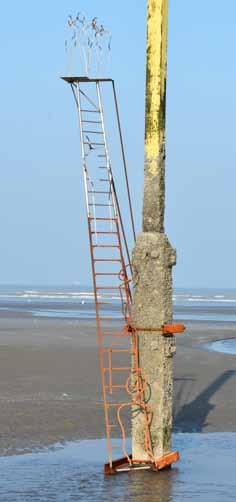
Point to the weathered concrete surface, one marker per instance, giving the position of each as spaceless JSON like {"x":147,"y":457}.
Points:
{"x":153,"y":259}
{"x":153,"y":256}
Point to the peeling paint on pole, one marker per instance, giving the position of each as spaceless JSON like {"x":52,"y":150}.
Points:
{"x":157,"y":24}
{"x":153,"y":256}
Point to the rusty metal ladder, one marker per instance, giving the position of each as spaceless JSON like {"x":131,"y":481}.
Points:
{"x":123,"y":386}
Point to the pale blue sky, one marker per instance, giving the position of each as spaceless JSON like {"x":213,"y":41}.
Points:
{"x":43,"y":228}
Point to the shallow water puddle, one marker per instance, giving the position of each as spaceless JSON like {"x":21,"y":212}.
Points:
{"x":74,"y":472}
{"x":223,"y":346}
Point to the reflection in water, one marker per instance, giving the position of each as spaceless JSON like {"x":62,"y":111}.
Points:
{"x":142,"y":486}
{"x":205,"y":473}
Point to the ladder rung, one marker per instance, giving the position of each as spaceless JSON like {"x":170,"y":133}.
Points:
{"x":107,"y":273}
{"x":102,"y":167}
{"x":102,"y":155}
{"x":115,"y":386}
{"x":107,"y":287}
{"x":103,"y":303}
{"x":112,"y":426}
{"x":92,"y":132}
{"x":102,"y":219}
{"x":100,"y":205}
{"x":90,"y":111}
{"x":91,"y":121}
{"x":109,"y":405}
{"x":124,"y":368}
{"x":117,"y":350}
{"x":105,"y":179}
{"x":106,"y":232}
{"x":93,"y":143}
{"x":107,"y":318}
{"x":105,"y":246}
{"x":107,"y":259}
{"x":99,"y":191}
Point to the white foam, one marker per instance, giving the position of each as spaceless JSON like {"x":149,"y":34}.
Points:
{"x":212,"y":300}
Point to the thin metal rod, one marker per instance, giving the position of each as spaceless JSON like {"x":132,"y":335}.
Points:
{"x":122,"y":227}
{"x":124,"y":160}
{"x":89,"y":100}
{"x":73,"y":87}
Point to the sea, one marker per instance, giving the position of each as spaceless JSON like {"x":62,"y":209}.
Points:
{"x":77,"y":302}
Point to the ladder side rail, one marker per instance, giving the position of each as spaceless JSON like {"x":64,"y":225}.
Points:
{"x":100,"y":348}
{"x":125,"y":276}
{"x":82,"y":148}
{"x":85,"y":173}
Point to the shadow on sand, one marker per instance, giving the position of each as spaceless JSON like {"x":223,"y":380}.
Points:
{"x":192,"y":416}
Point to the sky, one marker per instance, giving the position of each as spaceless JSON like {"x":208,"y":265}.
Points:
{"x":42,"y":216}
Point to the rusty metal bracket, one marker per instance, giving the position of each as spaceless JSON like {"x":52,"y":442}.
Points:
{"x":165,"y":329}
{"x":173,"y":328}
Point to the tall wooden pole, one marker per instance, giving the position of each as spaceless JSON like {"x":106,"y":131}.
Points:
{"x":153,"y":256}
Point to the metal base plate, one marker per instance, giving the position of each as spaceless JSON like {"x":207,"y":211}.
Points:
{"x":122,"y":464}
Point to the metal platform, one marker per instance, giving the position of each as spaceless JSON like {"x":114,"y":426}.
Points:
{"x":122,"y":465}
{"x":76,"y":80}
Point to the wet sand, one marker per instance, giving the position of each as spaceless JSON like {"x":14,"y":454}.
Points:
{"x":50,"y":383}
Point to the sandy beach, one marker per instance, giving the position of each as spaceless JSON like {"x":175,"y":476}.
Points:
{"x":50,"y":382}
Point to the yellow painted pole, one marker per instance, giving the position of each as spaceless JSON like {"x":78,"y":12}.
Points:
{"x":154,"y":190}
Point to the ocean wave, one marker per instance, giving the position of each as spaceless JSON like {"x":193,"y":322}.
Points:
{"x":71,"y":296}
{"x":57,"y":296}
{"x":10,"y":295}
{"x":90,"y":296}
{"x":212,"y":300}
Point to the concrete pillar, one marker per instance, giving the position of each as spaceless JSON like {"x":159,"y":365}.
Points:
{"x":153,"y":256}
